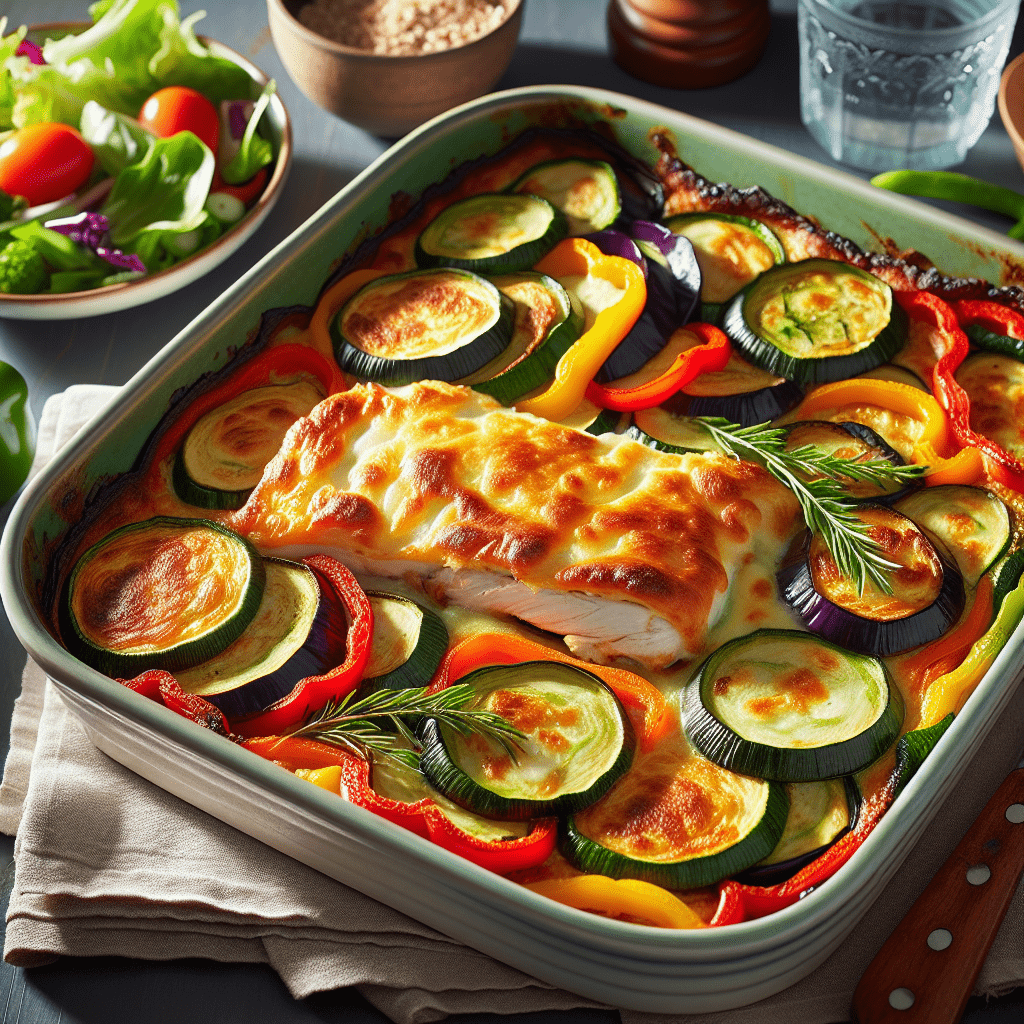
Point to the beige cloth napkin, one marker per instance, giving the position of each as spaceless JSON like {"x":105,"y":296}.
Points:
{"x":108,"y":864}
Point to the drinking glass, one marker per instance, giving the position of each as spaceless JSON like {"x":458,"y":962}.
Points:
{"x":887,"y":84}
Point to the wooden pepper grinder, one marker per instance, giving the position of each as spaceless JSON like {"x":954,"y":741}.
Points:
{"x":687,"y":44}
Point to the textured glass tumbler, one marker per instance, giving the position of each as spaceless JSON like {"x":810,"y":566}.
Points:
{"x":887,"y":84}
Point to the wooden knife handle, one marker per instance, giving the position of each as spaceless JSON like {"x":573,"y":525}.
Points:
{"x":925,"y":972}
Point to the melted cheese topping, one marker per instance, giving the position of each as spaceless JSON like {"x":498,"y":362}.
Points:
{"x":433,"y":475}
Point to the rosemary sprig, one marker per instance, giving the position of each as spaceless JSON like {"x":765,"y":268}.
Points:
{"x":384,"y":722}
{"x":823,"y":499}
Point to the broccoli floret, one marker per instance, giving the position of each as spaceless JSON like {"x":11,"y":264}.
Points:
{"x":22,"y":269}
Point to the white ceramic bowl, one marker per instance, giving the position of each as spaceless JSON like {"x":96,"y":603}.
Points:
{"x":115,"y":297}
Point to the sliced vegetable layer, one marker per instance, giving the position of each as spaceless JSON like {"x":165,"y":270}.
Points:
{"x":789,"y":706}
{"x":298,"y":631}
{"x":422,"y":325}
{"x":225,"y":453}
{"x":677,"y":820}
{"x":579,"y":741}
{"x":586,"y":191}
{"x":165,"y":593}
{"x":815,"y":321}
{"x":409,"y":641}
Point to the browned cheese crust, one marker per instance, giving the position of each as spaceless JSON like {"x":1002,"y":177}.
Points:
{"x":437,"y":475}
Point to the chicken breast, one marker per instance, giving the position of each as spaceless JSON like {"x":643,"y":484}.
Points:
{"x":624,"y":551}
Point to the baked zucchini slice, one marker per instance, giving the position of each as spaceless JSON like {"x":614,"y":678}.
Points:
{"x":409,"y":641}
{"x":492,"y":233}
{"x":586,"y":191}
{"x":927,"y":590}
{"x":677,"y":820}
{"x":786,"y":705}
{"x":815,"y":321}
{"x":298,"y":631}
{"x":165,"y":593}
{"x":579,"y":742}
{"x":972,"y":524}
{"x":224,"y":454}
{"x":989,"y":341}
{"x":667,"y":431}
{"x":995,"y":385}
{"x":546,"y":325}
{"x":731,"y":250}
{"x":422,"y":325}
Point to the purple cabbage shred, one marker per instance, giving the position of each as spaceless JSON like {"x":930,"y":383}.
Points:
{"x":238,"y":117}
{"x":86,"y":228}
{"x":29,"y":49}
{"x":121,"y":260}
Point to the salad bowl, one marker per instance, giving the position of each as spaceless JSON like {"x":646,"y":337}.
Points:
{"x":614,"y":961}
{"x":275,"y":125}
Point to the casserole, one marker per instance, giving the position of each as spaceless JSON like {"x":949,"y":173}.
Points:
{"x":604,"y":959}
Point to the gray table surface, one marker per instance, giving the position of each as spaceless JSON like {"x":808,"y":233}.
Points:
{"x":562,"y":42}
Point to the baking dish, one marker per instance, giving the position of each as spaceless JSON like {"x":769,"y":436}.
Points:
{"x":619,"y":963}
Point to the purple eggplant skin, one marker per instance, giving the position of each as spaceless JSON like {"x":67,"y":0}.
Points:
{"x":866,"y":636}
{"x":323,"y":649}
{"x":749,"y":408}
{"x":613,"y":242}
{"x":679,"y":259}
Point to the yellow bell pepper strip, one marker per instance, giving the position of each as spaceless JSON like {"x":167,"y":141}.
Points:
{"x":319,"y":330}
{"x":921,"y":667}
{"x":626,"y":898}
{"x":649,"y":711}
{"x":948,"y":692}
{"x":576,"y":257}
{"x":951,"y":346}
{"x":710,"y":355}
{"x":314,"y":692}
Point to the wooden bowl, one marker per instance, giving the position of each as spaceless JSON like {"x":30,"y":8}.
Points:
{"x":1011,"y":104}
{"x":388,"y":95}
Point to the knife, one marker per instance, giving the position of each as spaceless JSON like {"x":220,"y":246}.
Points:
{"x":925,"y":972}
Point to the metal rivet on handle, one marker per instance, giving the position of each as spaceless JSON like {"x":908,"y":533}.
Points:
{"x":940,"y":939}
{"x":978,"y":874}
{"x":1015,"y":814}
{"x":901,"y":999}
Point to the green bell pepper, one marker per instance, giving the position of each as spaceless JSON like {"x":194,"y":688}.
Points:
{"x":17,"y":431}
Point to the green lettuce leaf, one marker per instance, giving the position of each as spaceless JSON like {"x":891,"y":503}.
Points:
{"x":254,"y":151}
{"x":163,"y":192}
{"x":116,"y":140}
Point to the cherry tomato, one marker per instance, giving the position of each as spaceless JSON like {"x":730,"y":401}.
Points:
{"x":44,"y":162}
{"x":180,"y":109}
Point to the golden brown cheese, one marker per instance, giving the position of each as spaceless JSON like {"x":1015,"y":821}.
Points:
{"x":434,"y":476}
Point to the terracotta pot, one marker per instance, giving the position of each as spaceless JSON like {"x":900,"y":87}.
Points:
{"x":687,"y":44}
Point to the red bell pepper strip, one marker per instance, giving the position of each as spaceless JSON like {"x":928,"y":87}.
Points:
{"x":1007,"y":468}
{"x":246,"y":191}
{"x":314,"y":692}
{"x":991,"y":316}
{"x":163,"y":688}
{"x":276,"y":363}
{"x":423,"y":817}
{"x":711,"y":355}
{"x":649,"y":711}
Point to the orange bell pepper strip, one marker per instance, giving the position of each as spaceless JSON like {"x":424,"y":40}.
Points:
{"x":423,"y":817}
{"x":711,"y":355}
{"x":576,"y":257}
{"x":649,"y":711}
{"x":268,"y":367}
{"x":314,"y":692}
{"x":624,"y":897}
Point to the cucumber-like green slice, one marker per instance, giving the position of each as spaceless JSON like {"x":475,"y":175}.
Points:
{"x":224,"y":454}
{"x":679,"y":821}
{"x":731,"y":251}
{"x":789,"y":706}
{"x":972,"y":524}
{"x":298,"y":631}
{"x":586,"y":191}
{"x":995,"y":385}
{"x":579,"y":741}
{"x":989,"y":341}
{"x":670,"y":432}
{"x":546,"y":325}
{"x":491,"y":233}
{"x":815,"y":321}
{"x":165,"y":593}
{"x":422,"y":325}
{"x":1006,"y":574}
{"x":818,"y":812}
{"x":409,"y":641}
